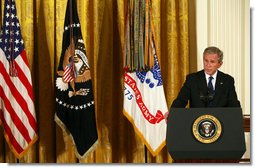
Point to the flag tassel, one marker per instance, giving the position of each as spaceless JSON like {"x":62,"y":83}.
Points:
{"x":12,"y":70}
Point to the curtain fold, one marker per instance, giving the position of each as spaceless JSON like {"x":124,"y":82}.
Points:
{"x":102,"y":24}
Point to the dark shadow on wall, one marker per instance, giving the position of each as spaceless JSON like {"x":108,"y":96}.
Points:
{"x":44,"y":91}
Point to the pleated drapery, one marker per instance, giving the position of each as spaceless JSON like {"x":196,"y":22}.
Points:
{"x":102,"y":23}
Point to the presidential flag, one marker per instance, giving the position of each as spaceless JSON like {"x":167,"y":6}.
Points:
{"x":17,"y":111}
{"x":144,"y":98}
{"x":75,"y":107}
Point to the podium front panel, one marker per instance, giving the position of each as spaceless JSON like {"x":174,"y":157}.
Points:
{"x":182,"y":144}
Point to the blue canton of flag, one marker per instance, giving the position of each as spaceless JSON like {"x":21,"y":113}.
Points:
{"x":11,"y":40}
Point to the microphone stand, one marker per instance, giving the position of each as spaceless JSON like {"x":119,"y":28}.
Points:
{"x":206,"y":98}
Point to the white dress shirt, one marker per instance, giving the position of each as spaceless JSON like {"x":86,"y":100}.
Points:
{"x":213,"y":80}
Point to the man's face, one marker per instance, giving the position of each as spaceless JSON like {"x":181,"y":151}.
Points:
{"x":211,"y":63}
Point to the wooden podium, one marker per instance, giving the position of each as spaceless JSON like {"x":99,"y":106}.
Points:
{"x":205,"y":135}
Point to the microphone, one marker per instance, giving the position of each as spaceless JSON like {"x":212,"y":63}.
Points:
{"x":206,"y":98}
{"x":203,"y":97}
{"x":210,"y":95}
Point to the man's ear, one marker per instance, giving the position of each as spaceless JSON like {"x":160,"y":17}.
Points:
{"x":221,"y":63}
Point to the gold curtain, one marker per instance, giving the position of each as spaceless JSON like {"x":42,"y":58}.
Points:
{"x":102,"y":23}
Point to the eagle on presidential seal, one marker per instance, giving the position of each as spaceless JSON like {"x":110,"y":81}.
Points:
{"x":76,"y":54}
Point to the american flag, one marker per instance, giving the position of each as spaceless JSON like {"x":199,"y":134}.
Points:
{"x":17,"y":111}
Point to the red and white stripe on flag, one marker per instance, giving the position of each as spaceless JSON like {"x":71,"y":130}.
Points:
{"x":69,"y":73}
{"x":17,"y":111}
{"x":145,"y":106}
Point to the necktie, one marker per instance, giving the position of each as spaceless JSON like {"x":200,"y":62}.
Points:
{"x":210,"y":92}
{"x":210,"y":86}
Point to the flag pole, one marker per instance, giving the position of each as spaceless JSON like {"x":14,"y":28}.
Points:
{"x":145,"y":154}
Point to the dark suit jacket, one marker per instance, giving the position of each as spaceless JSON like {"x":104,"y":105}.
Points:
{"x":195,"y":90}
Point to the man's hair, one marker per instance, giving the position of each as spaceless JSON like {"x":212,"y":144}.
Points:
{"x":214,"y":50}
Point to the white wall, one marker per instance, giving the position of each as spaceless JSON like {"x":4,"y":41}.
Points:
{"x":226,"y":24}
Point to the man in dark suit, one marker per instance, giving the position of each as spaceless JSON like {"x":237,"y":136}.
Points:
{"x":200,"y":91}
{"x":207,"y":88}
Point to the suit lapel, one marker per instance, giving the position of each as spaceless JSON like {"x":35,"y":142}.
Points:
{"x":218,"y":86}
{"x":202,"y":83}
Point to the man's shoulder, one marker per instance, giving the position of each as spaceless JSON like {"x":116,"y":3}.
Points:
{"x":196,"y":74}
{"x":201,"y":74}
{"x":224,"y":75}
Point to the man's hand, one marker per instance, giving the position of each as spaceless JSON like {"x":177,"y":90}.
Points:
{"x":166,"y":116}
